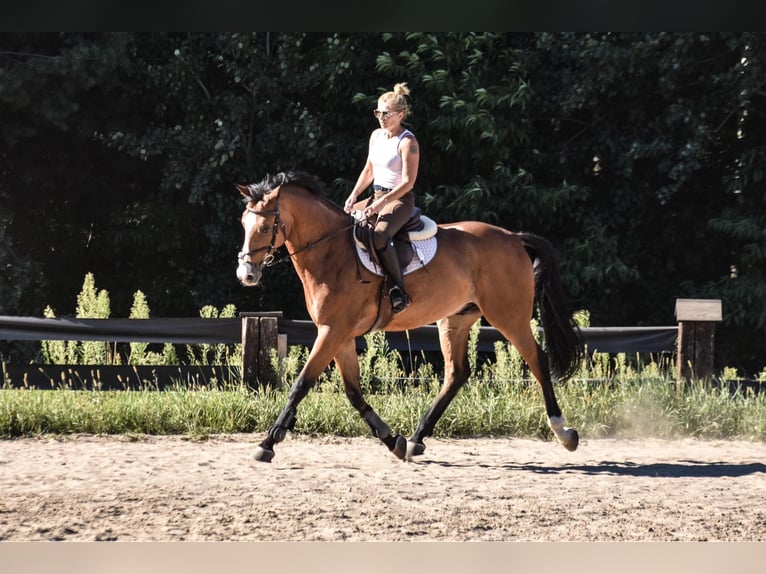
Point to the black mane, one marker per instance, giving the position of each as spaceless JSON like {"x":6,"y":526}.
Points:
{"x":271,"y":182}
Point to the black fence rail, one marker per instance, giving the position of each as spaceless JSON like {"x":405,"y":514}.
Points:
{"x":258,"y":333}
{"x":229,"y":331}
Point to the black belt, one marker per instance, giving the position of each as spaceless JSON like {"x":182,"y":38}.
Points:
{"x":381,"y":188}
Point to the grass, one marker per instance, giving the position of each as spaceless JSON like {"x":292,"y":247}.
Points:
{"x":633,"y":408}
{"x":610,"y":396}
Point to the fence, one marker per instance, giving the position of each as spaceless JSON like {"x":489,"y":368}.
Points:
{"x":259,"y":333}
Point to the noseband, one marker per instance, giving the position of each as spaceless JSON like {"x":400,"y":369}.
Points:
{"x":268,"y":259}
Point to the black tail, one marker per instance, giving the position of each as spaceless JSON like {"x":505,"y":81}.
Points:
{"x":562,"y":336}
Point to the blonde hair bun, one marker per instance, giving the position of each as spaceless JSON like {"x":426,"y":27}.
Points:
{"x":401,"y":89}
{"x":397,"y":98}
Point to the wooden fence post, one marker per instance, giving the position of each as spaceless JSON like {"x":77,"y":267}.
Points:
{"x":259,"y":337}
{"x":696,"y":337}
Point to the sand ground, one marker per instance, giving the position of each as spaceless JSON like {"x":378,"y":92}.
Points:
{"x":121,"y":488}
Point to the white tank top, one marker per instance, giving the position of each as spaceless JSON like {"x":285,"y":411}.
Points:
{"x":386,"y":160}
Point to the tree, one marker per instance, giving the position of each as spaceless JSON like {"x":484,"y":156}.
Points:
{"x":740,"y":227}
{"x":639,"y":155}
{"x":616,"y":146}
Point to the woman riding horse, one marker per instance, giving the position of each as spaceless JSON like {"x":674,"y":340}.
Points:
{"x":478,"y":270}
{"x":391,"y":168}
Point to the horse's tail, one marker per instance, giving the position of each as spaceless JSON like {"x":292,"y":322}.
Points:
{"x":562,"y":336}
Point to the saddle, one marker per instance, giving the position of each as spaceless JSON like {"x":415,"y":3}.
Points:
{"x":415,"y":245}
{"x":418,"y":228}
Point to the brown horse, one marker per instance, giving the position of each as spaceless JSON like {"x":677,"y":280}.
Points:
{"x":478,"y":270}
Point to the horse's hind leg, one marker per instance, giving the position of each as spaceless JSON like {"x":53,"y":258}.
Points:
{"x":523,"y":340}
{"x":453,"y":339}
{"x":348,"y":364}
{"x":540,"y":369}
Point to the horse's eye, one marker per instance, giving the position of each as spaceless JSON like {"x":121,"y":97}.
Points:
{"x":265,"y":229}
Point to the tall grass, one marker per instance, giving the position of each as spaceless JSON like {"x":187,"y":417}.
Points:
{"x":633,"y":408}
{"x":609,"y":396}
{"x":93,"y":303}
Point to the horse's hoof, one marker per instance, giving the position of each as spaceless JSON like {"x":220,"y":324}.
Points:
{"x":415,"y":449}
{"x":263,"y":454}
{"x":572,"y":442}
{"x":400,"y":448}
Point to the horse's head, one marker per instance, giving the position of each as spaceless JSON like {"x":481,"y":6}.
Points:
{"x":266,"y":230}
{"x":262,"y":225}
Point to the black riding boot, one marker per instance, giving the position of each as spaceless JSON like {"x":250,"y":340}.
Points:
{"x":390,"y":261}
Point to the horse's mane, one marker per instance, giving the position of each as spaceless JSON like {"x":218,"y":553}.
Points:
{"x":299,"y":178}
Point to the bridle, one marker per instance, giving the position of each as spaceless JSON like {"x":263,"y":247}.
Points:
{"x":269,"y":259}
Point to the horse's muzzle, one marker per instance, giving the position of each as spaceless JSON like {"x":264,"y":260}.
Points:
{"x":248,"y":274}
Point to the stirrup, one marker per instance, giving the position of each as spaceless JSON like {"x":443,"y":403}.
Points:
{"x":399,"y":299}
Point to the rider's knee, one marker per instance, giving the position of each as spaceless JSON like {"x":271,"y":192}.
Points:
{"x":380,"y":239}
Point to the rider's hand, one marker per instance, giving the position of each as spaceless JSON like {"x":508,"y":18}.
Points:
{"x":374,"y":208}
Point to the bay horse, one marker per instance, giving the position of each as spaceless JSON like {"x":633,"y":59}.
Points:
{"x":478,"y":270}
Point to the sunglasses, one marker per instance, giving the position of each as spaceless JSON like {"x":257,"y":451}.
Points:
{"x":383,"y":115}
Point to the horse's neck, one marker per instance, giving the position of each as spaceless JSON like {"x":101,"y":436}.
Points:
{"x":322,"y":249}
{"x":314,"y":222}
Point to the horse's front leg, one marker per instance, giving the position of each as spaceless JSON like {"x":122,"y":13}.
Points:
{"x":348,"y":364}
{"x":319,"y":357}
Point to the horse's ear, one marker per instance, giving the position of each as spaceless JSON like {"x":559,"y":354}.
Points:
{"x":243,"y":189}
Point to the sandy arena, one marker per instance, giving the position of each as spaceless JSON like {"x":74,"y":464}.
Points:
{"x":120,"y":488}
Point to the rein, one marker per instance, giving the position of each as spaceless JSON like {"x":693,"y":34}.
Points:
{"x":269,"y":259}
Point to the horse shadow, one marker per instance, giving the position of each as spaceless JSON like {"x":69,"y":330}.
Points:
{"x":680,"y":469}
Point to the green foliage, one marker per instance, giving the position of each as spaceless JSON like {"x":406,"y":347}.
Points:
{"x":139,"y":310}
{"x":378,"y":364}
{"x":507,"y":366}
{"x":18,"y":274}
{"x":473,"y":346}
{"x":219,"y":353}
{"x":640,"y":155}
{"x":57,"y":352}
{"x":629,"y":408}
{"x":91,"y":304}
{"x":95,"y":304}
{"x":610,"y":396}
{"x":290,"y":365}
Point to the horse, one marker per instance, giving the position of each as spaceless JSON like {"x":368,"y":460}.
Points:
{"x":479,"y":270}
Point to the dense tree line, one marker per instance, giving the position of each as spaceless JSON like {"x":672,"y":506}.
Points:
{"x":639,"y":155}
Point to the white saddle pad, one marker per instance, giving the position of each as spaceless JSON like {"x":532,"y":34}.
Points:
{"x":424,"y":252}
